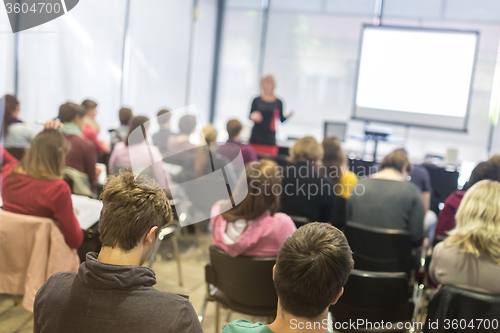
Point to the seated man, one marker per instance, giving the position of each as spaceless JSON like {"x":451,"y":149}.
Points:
{"x":230,"y":151}
{"x":111,"y":291}
{"x":311,"y":270}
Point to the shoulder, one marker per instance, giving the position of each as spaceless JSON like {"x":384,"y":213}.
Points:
{"x":242,"y":325}
{"x":119,"y":146}
{"x":282,"y":218}
{"x":58,"y":281}
{"x":59,"y":187}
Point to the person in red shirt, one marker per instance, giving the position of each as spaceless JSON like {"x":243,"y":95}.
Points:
{"x":35,"y":186}
{"x":91,"y":129}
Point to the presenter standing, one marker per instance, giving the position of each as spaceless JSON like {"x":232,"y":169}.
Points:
{"x":266,"y":109}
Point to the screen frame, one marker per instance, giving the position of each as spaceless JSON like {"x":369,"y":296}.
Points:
{"x":469,"y":97}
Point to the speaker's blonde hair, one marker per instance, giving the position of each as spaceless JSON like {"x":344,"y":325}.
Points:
{"x":478,"y":221}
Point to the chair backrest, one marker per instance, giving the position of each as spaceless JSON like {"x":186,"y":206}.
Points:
{"x":31,"y":250}
{"x":244,"y":280}
{"x":375,"y":296}
{"x":379,"y":249}
{"x":462,"y":306}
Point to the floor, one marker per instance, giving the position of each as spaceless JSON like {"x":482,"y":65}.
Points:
{"x":193,"y":259}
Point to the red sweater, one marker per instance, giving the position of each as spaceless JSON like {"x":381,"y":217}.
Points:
{"x":22,"y":194}
{"x":446,"y":220}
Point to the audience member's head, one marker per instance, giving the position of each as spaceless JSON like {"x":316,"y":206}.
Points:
{"x":267,"y":85}
{"x":46,"y":157}
{"x":90,"y":108}
{"x":333,"y":158}
{"x":163,"y":118}
{"x":262,"y":180}
{"x":209,"y":133}
{"x":478,"y":220}
{"x":71,"y":113}
{"x":187,"y":124}
{"x":234,"y":127}
{"x":137,"y":122}
{"x":311,"y":270}
{"x":397,"y":161}
{"x":125,"y":115}
{"x":306,"y":149}
{"x":484,"y":170}
{"x":11,"y":111}
{"x":135,"y":209}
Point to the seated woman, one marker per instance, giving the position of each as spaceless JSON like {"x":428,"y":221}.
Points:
{"x":16,"y":133}
{"x":253,"y":227}
{"x":35,"y":185}
{"x":470,"y":256}
{"x":91,"y":128}
{"x":387,"y":200}
{"x":307,"y":192}
{"x":446,"y":221}
{"x":335,"y":166}
{"x":135,"y":152}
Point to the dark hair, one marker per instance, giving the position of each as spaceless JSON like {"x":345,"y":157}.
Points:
{"x":484,"y":170}
{"x":125,"y":114}
{"x":312,"y":267}
{"x":132,"y":205}
{"x":187,"y":124}
{"x":139,"y":121}
{"x":233,"y":127}
{"x":396,"y":160}
{"x":333,"y":158}
{"x":164,"y":119}
{"x":46,"y":157}
{"x":89,"y":105}
{"x":261,"y":177}
{"x":11,"y":103}
{"x":69,"y":111}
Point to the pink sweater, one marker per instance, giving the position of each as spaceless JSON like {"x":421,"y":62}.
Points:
{"x":262,"y":238}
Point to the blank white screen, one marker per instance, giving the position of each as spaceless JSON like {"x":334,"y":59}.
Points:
{"x":414,"y":76}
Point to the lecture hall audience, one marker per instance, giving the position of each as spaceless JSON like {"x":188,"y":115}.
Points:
{"x":387,"y":200}
{"x":230,"y":150}
{"x":311,"y":270}
{"x":34,"y":186}
{"x":307,"y":192}
{"x":180,"y":143}
{"x":135,"y":152}
{"x":470,"y":256}
{"x":82,"y":155}
{"x":446,"y":221}
{"x":16,"y":133}
{"x":253,"y":227}
{"x":112,"y":291}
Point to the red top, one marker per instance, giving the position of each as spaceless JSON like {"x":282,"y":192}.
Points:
{"x":446,"y":220}
{"x":82,"y":157}
{"x":22,"y":194}
{"x":7,"y":157}
{"x":90,"y":133}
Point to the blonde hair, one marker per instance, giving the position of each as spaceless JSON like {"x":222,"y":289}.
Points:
{"x":210,"y":133}
{"x":306,"y":148}
{"x":478,"y":221}
{"x":267,"y":77}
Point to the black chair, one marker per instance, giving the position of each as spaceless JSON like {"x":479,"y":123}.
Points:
{"x":299,"y":220}
{"x":18,"y":153}
{"x":242,"y":284}
{"x":469,"y":310}
{"x":379,"y":249}
{"x":373,"y":297}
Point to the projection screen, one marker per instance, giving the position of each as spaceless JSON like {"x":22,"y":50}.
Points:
{"x":414,"y":76}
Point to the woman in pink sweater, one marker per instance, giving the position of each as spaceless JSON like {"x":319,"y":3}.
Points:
{"x":253,"y":228}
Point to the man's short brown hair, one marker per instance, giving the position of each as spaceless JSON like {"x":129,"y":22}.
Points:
{"x":132,"y":205}
{"x":313,"y":265}
{"x":233,"y":127}
{"x":69,"y":111}
{"x":165,"y":119}
{"x":396,"y":160}
{"x":89,"y":104}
